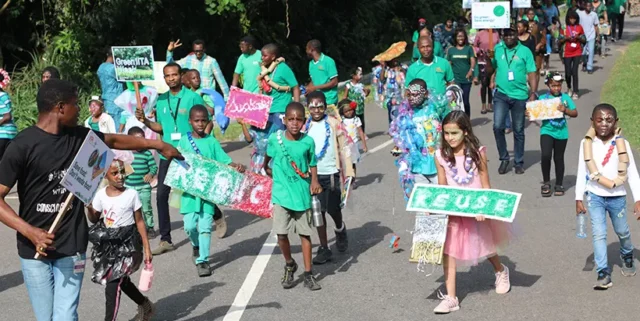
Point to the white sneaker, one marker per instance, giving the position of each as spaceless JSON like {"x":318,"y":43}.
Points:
{"x":503,"y":285}
{"x":447,"y":305}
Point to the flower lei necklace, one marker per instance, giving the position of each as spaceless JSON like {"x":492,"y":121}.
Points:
{"x":327,"y":128}
{"x":288,"y":157}
{"x":468,"y":162}
{"x":5,"y":82}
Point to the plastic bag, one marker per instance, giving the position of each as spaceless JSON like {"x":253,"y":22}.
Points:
{"x":218,"y":108}
{"x":117,"y":252}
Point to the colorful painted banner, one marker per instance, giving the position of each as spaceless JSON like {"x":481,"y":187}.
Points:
{"x":470,"y":202}
{"x":85,"y":174}
{"x":486,"y":15}
{"x":252,"y":108}
{"x":544,"y":109}
{"x":222,"y":185}
{"x":429,"y":234}
{"x":133,"y":63}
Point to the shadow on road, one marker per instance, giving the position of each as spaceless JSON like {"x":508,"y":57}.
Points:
{"x":369,"y":179}
{"x":481,"y":121}
{"x":11,"y":280}
{"x":221,"y":311}
{"x":613,"y":256}
{"x":180,"y":305}
{"x":231,"y":147}
{"x":248,"y":247}
{"x":375,"y":134}
{"x":481,"y":278}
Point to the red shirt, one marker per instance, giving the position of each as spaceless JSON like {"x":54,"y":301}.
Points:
{"x":572,"y":48}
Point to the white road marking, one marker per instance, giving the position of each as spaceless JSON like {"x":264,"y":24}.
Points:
{"x":251,"y":281}
{"x":379,"y":147}
{"x":260,"y":264}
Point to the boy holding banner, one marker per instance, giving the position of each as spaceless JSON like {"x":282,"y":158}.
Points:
{"x":198,"y":213}
{"x":53,"y":282}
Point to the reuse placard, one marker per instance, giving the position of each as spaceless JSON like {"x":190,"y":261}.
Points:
{"x":487,"y":15}
{"x":460,"y":201}
{"x":88,"y":168}
{"x":133,"y":63}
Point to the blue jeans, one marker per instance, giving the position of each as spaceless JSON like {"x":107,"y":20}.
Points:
{"x":549,"y":43}
{"x":588,"y":52}
{"x":598,"y":208}
{"x":54,"y":288}
{"x":466,"y":93}
{"x":502,"y":105}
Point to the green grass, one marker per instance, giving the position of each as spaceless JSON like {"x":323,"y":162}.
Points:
{"x":620,"y":90}
{"x":232,"y":133}
{"x":125,"y":73}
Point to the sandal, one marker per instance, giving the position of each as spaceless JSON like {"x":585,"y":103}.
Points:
{"x":558,"y":190}
{"x":545,"y":190}
{"x":484,"y":109}
{"x":490,"y":108}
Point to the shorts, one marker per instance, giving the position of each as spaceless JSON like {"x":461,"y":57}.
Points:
{"x":331,"y":195}
{"x":286,"y":221}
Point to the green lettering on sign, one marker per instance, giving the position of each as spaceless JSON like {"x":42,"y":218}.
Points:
{"x":493,"y":204}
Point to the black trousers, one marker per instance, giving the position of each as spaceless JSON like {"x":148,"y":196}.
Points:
{"x":331,"y":196}
{"x":162,"y":201}
{"x":551,"y":147}
{"x":617,"y":23}
{"x":571,"y":66}
{"x":361,"y":117}
{"x":466,"y":92}
{"x":112,"y":294}
{"x":486,"y":93}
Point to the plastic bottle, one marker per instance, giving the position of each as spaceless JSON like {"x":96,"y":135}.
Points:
{"x":581,"y":230}
{"x":146,"y":278}
{"x":316,"y":210}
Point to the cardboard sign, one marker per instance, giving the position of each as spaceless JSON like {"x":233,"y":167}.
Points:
{"x":133,"y":63}
{"x":88,"y":168}
{"x":517,"y":4}
{"x":486,"y":15}
{"x":544,"y":109}
{"x":429,"y":234}
{"x":252,"y":108}
{"x":222,"y":185}
{"x":470,"y":202}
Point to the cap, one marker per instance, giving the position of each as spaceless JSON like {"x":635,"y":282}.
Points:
{"x":422,"y":20}
{"x":96,"y":99}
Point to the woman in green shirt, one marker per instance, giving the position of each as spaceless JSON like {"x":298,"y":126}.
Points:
{"x":463,"y":62}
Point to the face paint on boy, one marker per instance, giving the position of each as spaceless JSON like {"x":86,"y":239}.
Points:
{"x":416,"y":95}
{"x":604,"y":123}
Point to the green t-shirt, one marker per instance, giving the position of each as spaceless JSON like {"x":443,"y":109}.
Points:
{"x":436,"y":75}
{"x":557,"y":128}
{"x":461,"y":62}
{"x":613,"y":6}
{"x":517,"y":62}
{"x":209,"y":148}
{"x":321,"y":72}
{"x":143,"y":164}
{"x":249,"y":67}
{"x":283,"y":76}
{"x":289,"y":189}
{"x":438,"y":51}
{"x":179,"y":106}
{"x":95,"y":126}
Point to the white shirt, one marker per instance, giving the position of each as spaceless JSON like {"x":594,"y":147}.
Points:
{"x":589,"y":22}
{"x":610,"y":171}
{"x":318,"y":131}
{"x":352,"y":126}
{"x":119,"y":210}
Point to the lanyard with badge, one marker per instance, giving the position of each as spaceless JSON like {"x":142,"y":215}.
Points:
{"x":510,"y":75}
{"x":175,"y":136}
{"x":573,"y":33}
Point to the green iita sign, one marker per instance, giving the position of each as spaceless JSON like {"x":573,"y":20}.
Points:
{"x":493,"y":204}
{"x":133,"y":63}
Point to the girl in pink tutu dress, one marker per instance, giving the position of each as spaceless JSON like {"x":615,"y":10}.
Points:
{"x":462,"y":162}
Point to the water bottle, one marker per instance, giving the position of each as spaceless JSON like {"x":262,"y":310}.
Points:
{"x":303,"y":90}
{"x":316,"y":211}
{"x":146,"y":277}
{"x":581,"y":230}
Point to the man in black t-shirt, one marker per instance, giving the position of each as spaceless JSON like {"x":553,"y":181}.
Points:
{"x":37,"y":159}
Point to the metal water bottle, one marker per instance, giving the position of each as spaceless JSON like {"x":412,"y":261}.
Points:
{"x":581,"y":230}
{"x":316,"y":211}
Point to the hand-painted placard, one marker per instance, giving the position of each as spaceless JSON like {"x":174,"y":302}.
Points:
{"x":544,"y":109}
{"x":486,"y":15}
{"x":88,"y":168}
{"x":429,"y":234}
{"x":470,"y":202}
{"x":252,"y":108}
{"x":133,"y":63}
{"x":222,"y":185}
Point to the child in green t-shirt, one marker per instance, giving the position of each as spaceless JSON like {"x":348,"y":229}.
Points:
{"x":198,"y":213}
{"x":554,"y":135}
{"x":295,"y":178}
{"x":144,"y":169}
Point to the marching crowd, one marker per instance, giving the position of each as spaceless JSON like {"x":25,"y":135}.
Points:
{"x":309,"y":150}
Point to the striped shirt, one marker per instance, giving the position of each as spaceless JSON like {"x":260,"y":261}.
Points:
{"x":143,"y":164}
{"x":8,"y":130}
{"x":207,"y":67}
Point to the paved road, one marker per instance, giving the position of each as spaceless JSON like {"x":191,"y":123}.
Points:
{"x":551,"y":270}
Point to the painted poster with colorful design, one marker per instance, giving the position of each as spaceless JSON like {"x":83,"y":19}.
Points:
{"x":252,"y":108}
{"x":544,"y":109}
{"x":429,"y":234}
{"x":222,"y":185}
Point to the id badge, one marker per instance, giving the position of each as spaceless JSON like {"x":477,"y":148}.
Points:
{"x":574,"y":45}
{"x":78,"y":264}
{"x":176,"y":136}
{"x":510,"y":76}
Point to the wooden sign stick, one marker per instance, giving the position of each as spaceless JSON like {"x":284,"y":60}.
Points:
{"x":61,"y":213}
{"x":138,"y":100}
